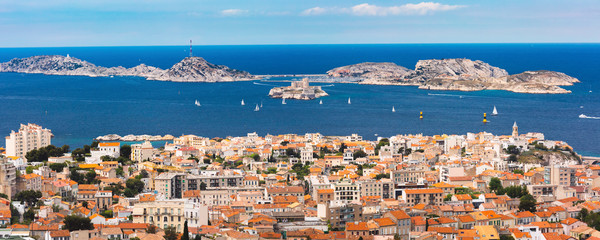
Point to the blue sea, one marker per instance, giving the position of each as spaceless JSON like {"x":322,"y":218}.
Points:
{"x":77,"y":109}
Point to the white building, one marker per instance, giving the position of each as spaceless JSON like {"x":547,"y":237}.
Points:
{"x":112,"y":149}
{"x":29,"y":137}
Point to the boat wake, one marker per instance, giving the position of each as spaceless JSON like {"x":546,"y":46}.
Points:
{"x":588,"y":117}
{"x":330,"y":85}
{"x":262,"y":84}
{"x":445,"y":95}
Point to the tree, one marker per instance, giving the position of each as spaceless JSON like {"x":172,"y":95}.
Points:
{"x":495,"y":185}
{"x":125,"y":151}
{"x":170,"y":233}
{"x":342,"y":148}
{"x":135,"y":184}
{"x":90,"y":176}
{"x":29,"y":215}
{"x":448,"y":198}
{"x":84,"y":204}
{"x":382,"y":175}
{"x":202,"y":186}
{"x":516,"y":191}
{"x":527,"y":203}
{"x":583,"y":214}
{"x":151,"y":229}
{"x":29,"y":169}
{"x":28,"y":196}
{"x":186,"y":234}
{"x":74,"y":223}
{"x":129,"y":192}
{"x":57,"y":167}
{"x":255,"y":156}
{"x":512,"y":149}
{"x":506,"y":237}
{"x":397,"y":236}
{"x":55,"y":208}
{"x":107,"y":214}
{"x":198,"y":237}
{"x":359,"y":154}
{"x":15,"y":216}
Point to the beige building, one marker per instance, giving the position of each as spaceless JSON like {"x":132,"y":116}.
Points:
{"x":30,"y":181}
{"x":8,"y":178}
{"x":160,"y":213}
{"x":29,"y":137}
{"x":142,"y":152}
{"x":427,"y":196}
{"x":171,"y":185}
{"x":383,"y":188}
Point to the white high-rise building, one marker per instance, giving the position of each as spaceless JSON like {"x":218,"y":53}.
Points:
{"x":29,"y":137}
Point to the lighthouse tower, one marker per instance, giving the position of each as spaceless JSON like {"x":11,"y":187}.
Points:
{"x":515,"y":133}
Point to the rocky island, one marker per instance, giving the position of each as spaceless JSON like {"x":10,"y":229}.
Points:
{"x":190,"y":69}
{"x":298,"y":90}
{"x":456,"y":74}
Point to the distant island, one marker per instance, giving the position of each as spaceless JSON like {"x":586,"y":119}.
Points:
{"x":298,"y":90}
{"x":190,"y":69}
{"x":455,"y":74}
{"x":435,"y":74}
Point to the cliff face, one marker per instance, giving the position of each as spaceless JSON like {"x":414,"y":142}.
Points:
{"x":191,"y":69}
{"x":371,"y":72}
{"x":196,"y":69}
{"x":458,"y":74}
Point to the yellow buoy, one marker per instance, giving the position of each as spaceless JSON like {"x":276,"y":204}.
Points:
{"x":484,"y":118}
{"x":421,"y":115}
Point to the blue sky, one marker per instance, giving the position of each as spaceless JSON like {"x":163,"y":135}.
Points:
{"x":36,"y":23}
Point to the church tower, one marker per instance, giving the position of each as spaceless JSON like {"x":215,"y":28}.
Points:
{"x":515,"y":133}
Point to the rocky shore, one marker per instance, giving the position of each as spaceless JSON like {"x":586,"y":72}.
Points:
{"x":456,"y":74}
{"x":134,"y":138}
{"x":190,"y":69}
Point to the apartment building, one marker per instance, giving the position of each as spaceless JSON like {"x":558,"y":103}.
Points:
{"x":428,"y":196}
{"x":8,"y":177}
{"x":29,"y":137}
{"x":171,"y":185}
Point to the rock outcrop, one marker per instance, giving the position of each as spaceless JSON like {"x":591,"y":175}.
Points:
{"x":191,"y":69}
{"x":371,"y":72}
{"x":196,"y":69}
{"x":457,"y":74}
{"x":300,"y":90}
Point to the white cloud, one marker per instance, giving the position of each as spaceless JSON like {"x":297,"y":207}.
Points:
{"x":366,"y":9}
{"x":233,"y":12}
{"x":314,"y":11}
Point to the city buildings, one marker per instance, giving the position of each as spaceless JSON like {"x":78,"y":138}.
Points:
{"x":29,"y":137}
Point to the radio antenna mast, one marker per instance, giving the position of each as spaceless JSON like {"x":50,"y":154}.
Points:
{"x":191,"y":55}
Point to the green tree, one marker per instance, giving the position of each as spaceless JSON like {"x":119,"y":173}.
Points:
{"x":342,"y":148}
{"x":198,"y":237}
{"x":397,"y":236}
{"x":107,"y":213}
{"x":527,"y":203}
{"x":29,"y":169}
{"x":125,"y":151}
{"x":448,"y":198}
{"x":583,"y":214}
{"x":151,"y":229}
{"x":516,"y":191}
{"x":29,"y":215}
{"x":495,"y":184}
{"x":129,"y":192}
{"x":506,"y":237}
{"x":90,"y":176}
{"x":55,"y":208}
{"x":255,"y":156}
{"x":15,"y":216}
{"x":186,"y":234}
{"x":28,"y":196}
{"x":135,"y":184}
{"x":512,"y":149}
{"x":170,"y":233}
{"x":382,"y":175}
{"x":359,"y":154}
{"x":74,"y":223}
{"x":57,"y":167}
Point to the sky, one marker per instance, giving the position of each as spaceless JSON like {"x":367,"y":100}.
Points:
{"x":44,"y":23}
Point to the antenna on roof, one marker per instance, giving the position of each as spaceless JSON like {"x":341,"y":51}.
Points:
{"x":191,"y":55}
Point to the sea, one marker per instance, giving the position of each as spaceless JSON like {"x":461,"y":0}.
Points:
{"x":77,"y":109}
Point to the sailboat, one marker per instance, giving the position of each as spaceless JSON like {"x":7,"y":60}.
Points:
{"x":393,"y":109}
{"x":494,"y":112}
{"x":243,"y":102}
{"x":349,"y":101}
{"x":256,"y":109}
{"x":321,"y":102}
{"x":261,"y":104}
{"x":197,"y":103}
{"x":283,"y":101}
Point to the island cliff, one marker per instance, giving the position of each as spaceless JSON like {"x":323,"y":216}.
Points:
{"x":456,"y":74}
{"x":190,"y":69}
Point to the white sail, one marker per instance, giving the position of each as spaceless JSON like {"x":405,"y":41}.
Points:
{"x":321,"y":102}
{"x":495,"y":112}
{"x":393,"y":109}
{"x":349,"y":101}
{"x":243,"y":102}
{"x":256,"y":109}
{"x":261,"y":104}
{"x":283,"y":101}
{"x":197,"y":103}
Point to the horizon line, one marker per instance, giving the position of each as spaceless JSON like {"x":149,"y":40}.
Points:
{"x":304,"y":44}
